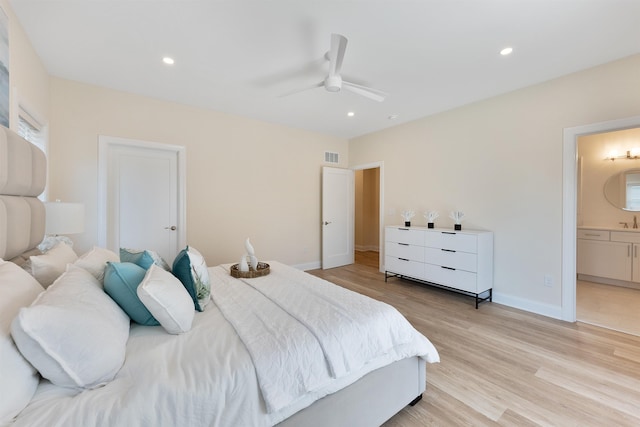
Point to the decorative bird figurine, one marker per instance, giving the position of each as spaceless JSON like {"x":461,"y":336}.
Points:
{"x":242,"y":265}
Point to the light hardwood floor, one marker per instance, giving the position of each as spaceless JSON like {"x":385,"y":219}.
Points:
{"x":609,"y":306}
{"x":502,"y":366}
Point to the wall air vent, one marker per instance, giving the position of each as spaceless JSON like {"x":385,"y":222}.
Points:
{"x":330,"y":157}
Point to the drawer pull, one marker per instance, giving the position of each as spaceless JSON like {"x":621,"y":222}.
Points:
{"x":403,"y":259}
{"x":447,"y":250}
{"x":448,"y":268}
{"x":592,"y":234}
{"x":403,"y":244}
{"x":448,"y":232}
{"x":403,"y":229}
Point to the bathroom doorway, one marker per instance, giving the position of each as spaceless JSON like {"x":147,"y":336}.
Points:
{"x":607,"y":287}
{"x":367,"y":216}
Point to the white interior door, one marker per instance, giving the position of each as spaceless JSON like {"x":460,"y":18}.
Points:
{"x":337,"y":217}
{"x":143,"y":204}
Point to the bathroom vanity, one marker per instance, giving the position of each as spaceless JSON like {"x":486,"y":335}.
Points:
{"x":608,"y":255}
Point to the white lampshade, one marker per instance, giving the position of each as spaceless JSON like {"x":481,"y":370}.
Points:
{"x":64,"y":218}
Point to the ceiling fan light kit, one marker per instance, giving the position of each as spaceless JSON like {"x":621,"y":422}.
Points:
{"x":333,"y":82}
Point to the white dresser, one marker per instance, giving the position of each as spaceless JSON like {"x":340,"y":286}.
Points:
{"x":456,"y":260}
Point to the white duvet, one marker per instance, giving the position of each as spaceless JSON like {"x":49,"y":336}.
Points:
{"x":343,"y":331}
{"x":207,"y":377}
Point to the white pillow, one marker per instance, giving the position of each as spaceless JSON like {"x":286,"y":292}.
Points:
{"x":48,"y":267}
{"x":167,"y":300}
{"x":73,"y":334}
{"x":95,"y":261}
{"x":19,"y":380}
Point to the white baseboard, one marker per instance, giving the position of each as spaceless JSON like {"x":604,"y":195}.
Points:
{"x":308,"y":266}
{"x":548,"y":310}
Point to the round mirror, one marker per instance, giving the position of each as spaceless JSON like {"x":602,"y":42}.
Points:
{"x":622,"y":190}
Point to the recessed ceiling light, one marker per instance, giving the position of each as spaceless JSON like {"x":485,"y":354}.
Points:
{"x":506,"y":51}
{"x":351,"y":114}
{"x":167,"y":60}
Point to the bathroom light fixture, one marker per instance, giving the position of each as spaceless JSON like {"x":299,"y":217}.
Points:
{"x":629,"y":154}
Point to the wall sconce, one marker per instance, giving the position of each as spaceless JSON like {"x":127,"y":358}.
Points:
{"x":61,"y":218}
{"x":630,"y":154}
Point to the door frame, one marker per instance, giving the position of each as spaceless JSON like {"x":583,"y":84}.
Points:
{"x":570,"y":207}
{"x":379,"y":165}
{"x":105,"y":144}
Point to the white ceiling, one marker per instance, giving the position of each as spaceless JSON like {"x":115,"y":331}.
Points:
{"x":238,"y":56}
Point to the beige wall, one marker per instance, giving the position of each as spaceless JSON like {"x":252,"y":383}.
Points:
{"x":500,"y":161}
{"x":593,"y":208}
{"x":245,"y":178}
{"x":29,"y":80}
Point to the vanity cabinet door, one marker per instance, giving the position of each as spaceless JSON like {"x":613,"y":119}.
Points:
{"x":636,"y":263}
{"x":604,"y":259}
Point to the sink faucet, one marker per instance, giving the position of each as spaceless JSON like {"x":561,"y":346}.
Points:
{"x":624,"y":225}
{"x":635,"y":222}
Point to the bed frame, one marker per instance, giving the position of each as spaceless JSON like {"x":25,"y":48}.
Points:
{"x":370,"y":401}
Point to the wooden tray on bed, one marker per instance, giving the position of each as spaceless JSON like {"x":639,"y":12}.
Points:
{"x":262,"y":270}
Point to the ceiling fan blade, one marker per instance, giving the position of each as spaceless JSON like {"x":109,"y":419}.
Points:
{"x":336,"y":54}
{"x":302,"y":90}
{"x":375,"y":94}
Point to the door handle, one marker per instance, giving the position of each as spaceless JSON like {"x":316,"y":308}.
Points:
{"x":327,"y":222}
{"x":172,"y":228}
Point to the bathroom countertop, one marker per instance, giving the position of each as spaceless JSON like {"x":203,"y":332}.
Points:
{"x":604,"y":227}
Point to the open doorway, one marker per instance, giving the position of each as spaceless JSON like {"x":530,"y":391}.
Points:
{"x":569,"y":204}
{"x":607,"y":249}
{"x":367,"y":216}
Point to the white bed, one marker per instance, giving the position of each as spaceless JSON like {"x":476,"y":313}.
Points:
{"x":209,"y":376}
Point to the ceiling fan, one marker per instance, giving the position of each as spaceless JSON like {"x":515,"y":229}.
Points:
{"x":333,"y":82}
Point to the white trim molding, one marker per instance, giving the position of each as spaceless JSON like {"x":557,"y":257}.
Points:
{"x":554,"y":311}
{"x":569,"y":204}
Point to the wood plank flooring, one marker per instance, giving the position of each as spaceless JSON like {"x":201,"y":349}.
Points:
{"x":505,"y":367}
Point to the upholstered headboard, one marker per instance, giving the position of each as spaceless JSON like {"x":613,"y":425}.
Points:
{"x":23,"y":172}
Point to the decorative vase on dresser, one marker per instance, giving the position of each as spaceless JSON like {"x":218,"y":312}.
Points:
{"x":461,"y":261}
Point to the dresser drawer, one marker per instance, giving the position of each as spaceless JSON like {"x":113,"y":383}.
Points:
{"x":405,"y":250}
{"x":593,"y":234}
{"x":449,"y":258}
{"x":453,"y":241}
{"x":405,"y":235}
{"x":404,"y":267}
{"x":458,"y":279}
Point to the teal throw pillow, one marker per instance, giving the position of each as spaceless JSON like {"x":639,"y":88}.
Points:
{"x":121,"y":280}
{"x":142,"y":258}
{"x":190,"y":268}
